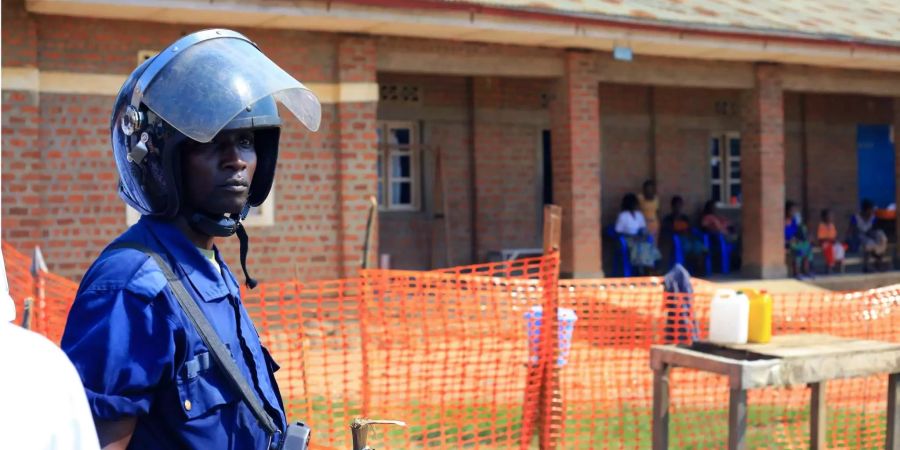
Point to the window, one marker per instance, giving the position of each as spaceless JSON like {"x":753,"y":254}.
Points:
{"x":399,"y":182}
{"x":725,"y":168}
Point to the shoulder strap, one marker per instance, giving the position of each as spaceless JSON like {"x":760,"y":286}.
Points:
{"x":217,"y":349}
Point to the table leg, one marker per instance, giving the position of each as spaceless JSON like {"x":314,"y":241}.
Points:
{"x":893,"y":412}
{"x":818,"y":417}
{"x":661,"y":408}
{"x":737,"y":419}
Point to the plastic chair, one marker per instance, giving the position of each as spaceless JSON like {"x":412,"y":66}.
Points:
{"x":724,"y":249}
{"x":708,"y":259}
{"x":622,"y":258}
{"x":678,"y":251}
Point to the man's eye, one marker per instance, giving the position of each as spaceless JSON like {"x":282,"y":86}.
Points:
{"x":246,"y":142}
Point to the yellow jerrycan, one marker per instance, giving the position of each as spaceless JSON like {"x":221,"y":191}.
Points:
{"x":759,"y":330}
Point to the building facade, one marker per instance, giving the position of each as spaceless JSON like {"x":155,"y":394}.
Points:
{"x":464,"y":119}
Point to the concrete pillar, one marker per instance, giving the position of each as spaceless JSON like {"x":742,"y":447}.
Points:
{"x":575,"y":129}
{"x":762,"y":173}
{"x":358,"y":149}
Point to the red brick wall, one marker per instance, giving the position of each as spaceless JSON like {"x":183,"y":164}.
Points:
{"x":59,"y":177}
{"x":55,"y":149}
{"x":762,"y":166}
{"x":357,"y":153}
{"x":111,"y":46}
{"x":627,"y":147}
{"x":506,"y":168}
{"x":454,"y":141}
{"x":575,"y":115}
{"x":794,"y":149}
{"x":831,"y":122}
{"x":685,"y":119}
{"x":507,"y":138}
{"x":303,"y":242}
{"x":22,"y":165}
{"x":506,"y":176}
{"x":83,"y":212}
{"x":415,"y":240}
{"x":19,"y":44}
{"x":22,"y":171}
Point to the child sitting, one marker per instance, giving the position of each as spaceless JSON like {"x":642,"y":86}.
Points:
{"x":832,"y":249}
{"x":677,"y":223}
{"x":797,"y":241}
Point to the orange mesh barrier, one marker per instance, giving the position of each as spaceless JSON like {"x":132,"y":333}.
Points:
{"x":460,"y":355}
{"x":314,"y":332}
{"x":607,"y":384}
{"x":448,"y":352}
{"x":51,"y":293}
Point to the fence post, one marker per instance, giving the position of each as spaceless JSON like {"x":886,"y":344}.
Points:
{"x":551,"y":413}
{"x":38,"y":269}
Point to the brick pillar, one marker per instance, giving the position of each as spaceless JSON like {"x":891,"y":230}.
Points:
{"x":762,"y":173}
{"x":895,"y":135}
{"x":357,"y":153}
{"x":575,"y":128}
{"x":22,"y":166}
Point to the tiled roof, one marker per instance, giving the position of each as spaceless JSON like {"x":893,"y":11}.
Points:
{"x":853,"y":20}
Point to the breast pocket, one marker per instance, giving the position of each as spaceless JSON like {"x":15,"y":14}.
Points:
{"x":203,"y":388}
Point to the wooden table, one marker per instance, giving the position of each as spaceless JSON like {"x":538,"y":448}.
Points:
{"x":787,"y":360}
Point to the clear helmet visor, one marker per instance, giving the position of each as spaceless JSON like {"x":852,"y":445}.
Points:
{"x":204,"y":86}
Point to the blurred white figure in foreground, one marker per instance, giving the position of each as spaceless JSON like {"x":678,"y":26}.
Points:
{"x":42,"y":401}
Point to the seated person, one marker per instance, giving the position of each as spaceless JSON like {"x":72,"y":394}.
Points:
{"x":711,"y":222}
{"x":649,"y":204}
{"x":678,"y":224}
{"x":796,"y":240}
{"x":642,"y":251}
{"x":832,"y":248}
{"x":872,"y":241}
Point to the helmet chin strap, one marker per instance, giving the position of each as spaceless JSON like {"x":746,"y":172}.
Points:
{"x":224,"y":226}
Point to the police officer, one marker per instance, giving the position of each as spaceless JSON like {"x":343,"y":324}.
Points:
{"x":195,"y":136}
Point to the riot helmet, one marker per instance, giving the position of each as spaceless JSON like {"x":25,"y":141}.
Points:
{"x":204,"y":83}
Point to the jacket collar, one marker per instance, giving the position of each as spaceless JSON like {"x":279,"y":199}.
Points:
{"x":185,"y":256}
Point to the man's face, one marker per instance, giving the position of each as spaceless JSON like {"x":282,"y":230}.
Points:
{"x":217,"y":174}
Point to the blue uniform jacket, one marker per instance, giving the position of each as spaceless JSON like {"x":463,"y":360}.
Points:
{"x":139,"y":355}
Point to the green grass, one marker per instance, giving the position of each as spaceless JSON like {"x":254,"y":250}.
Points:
{"x":705,"y":429}
{"x":624,"y":427}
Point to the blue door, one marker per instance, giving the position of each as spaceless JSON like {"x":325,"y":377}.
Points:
{"x":875,"y":158}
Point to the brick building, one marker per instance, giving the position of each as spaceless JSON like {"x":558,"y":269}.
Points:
{"x":466,"y":117}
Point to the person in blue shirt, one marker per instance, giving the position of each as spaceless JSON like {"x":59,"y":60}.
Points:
{"x":796,"y":240}
{"x":195,"y":135}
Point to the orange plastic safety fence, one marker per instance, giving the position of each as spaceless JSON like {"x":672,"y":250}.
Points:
{"x":606,"y":384}
{"x":456,"y":353}
{"x":469,"y":359}
{"x":314,"y":333}
{"x":51,"y":294}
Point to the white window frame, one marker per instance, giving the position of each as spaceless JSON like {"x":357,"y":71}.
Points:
{"x":386,"y":178}
{"x":725,"y":160}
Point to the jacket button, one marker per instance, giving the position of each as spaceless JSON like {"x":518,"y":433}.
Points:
{"x":187,"y":405}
